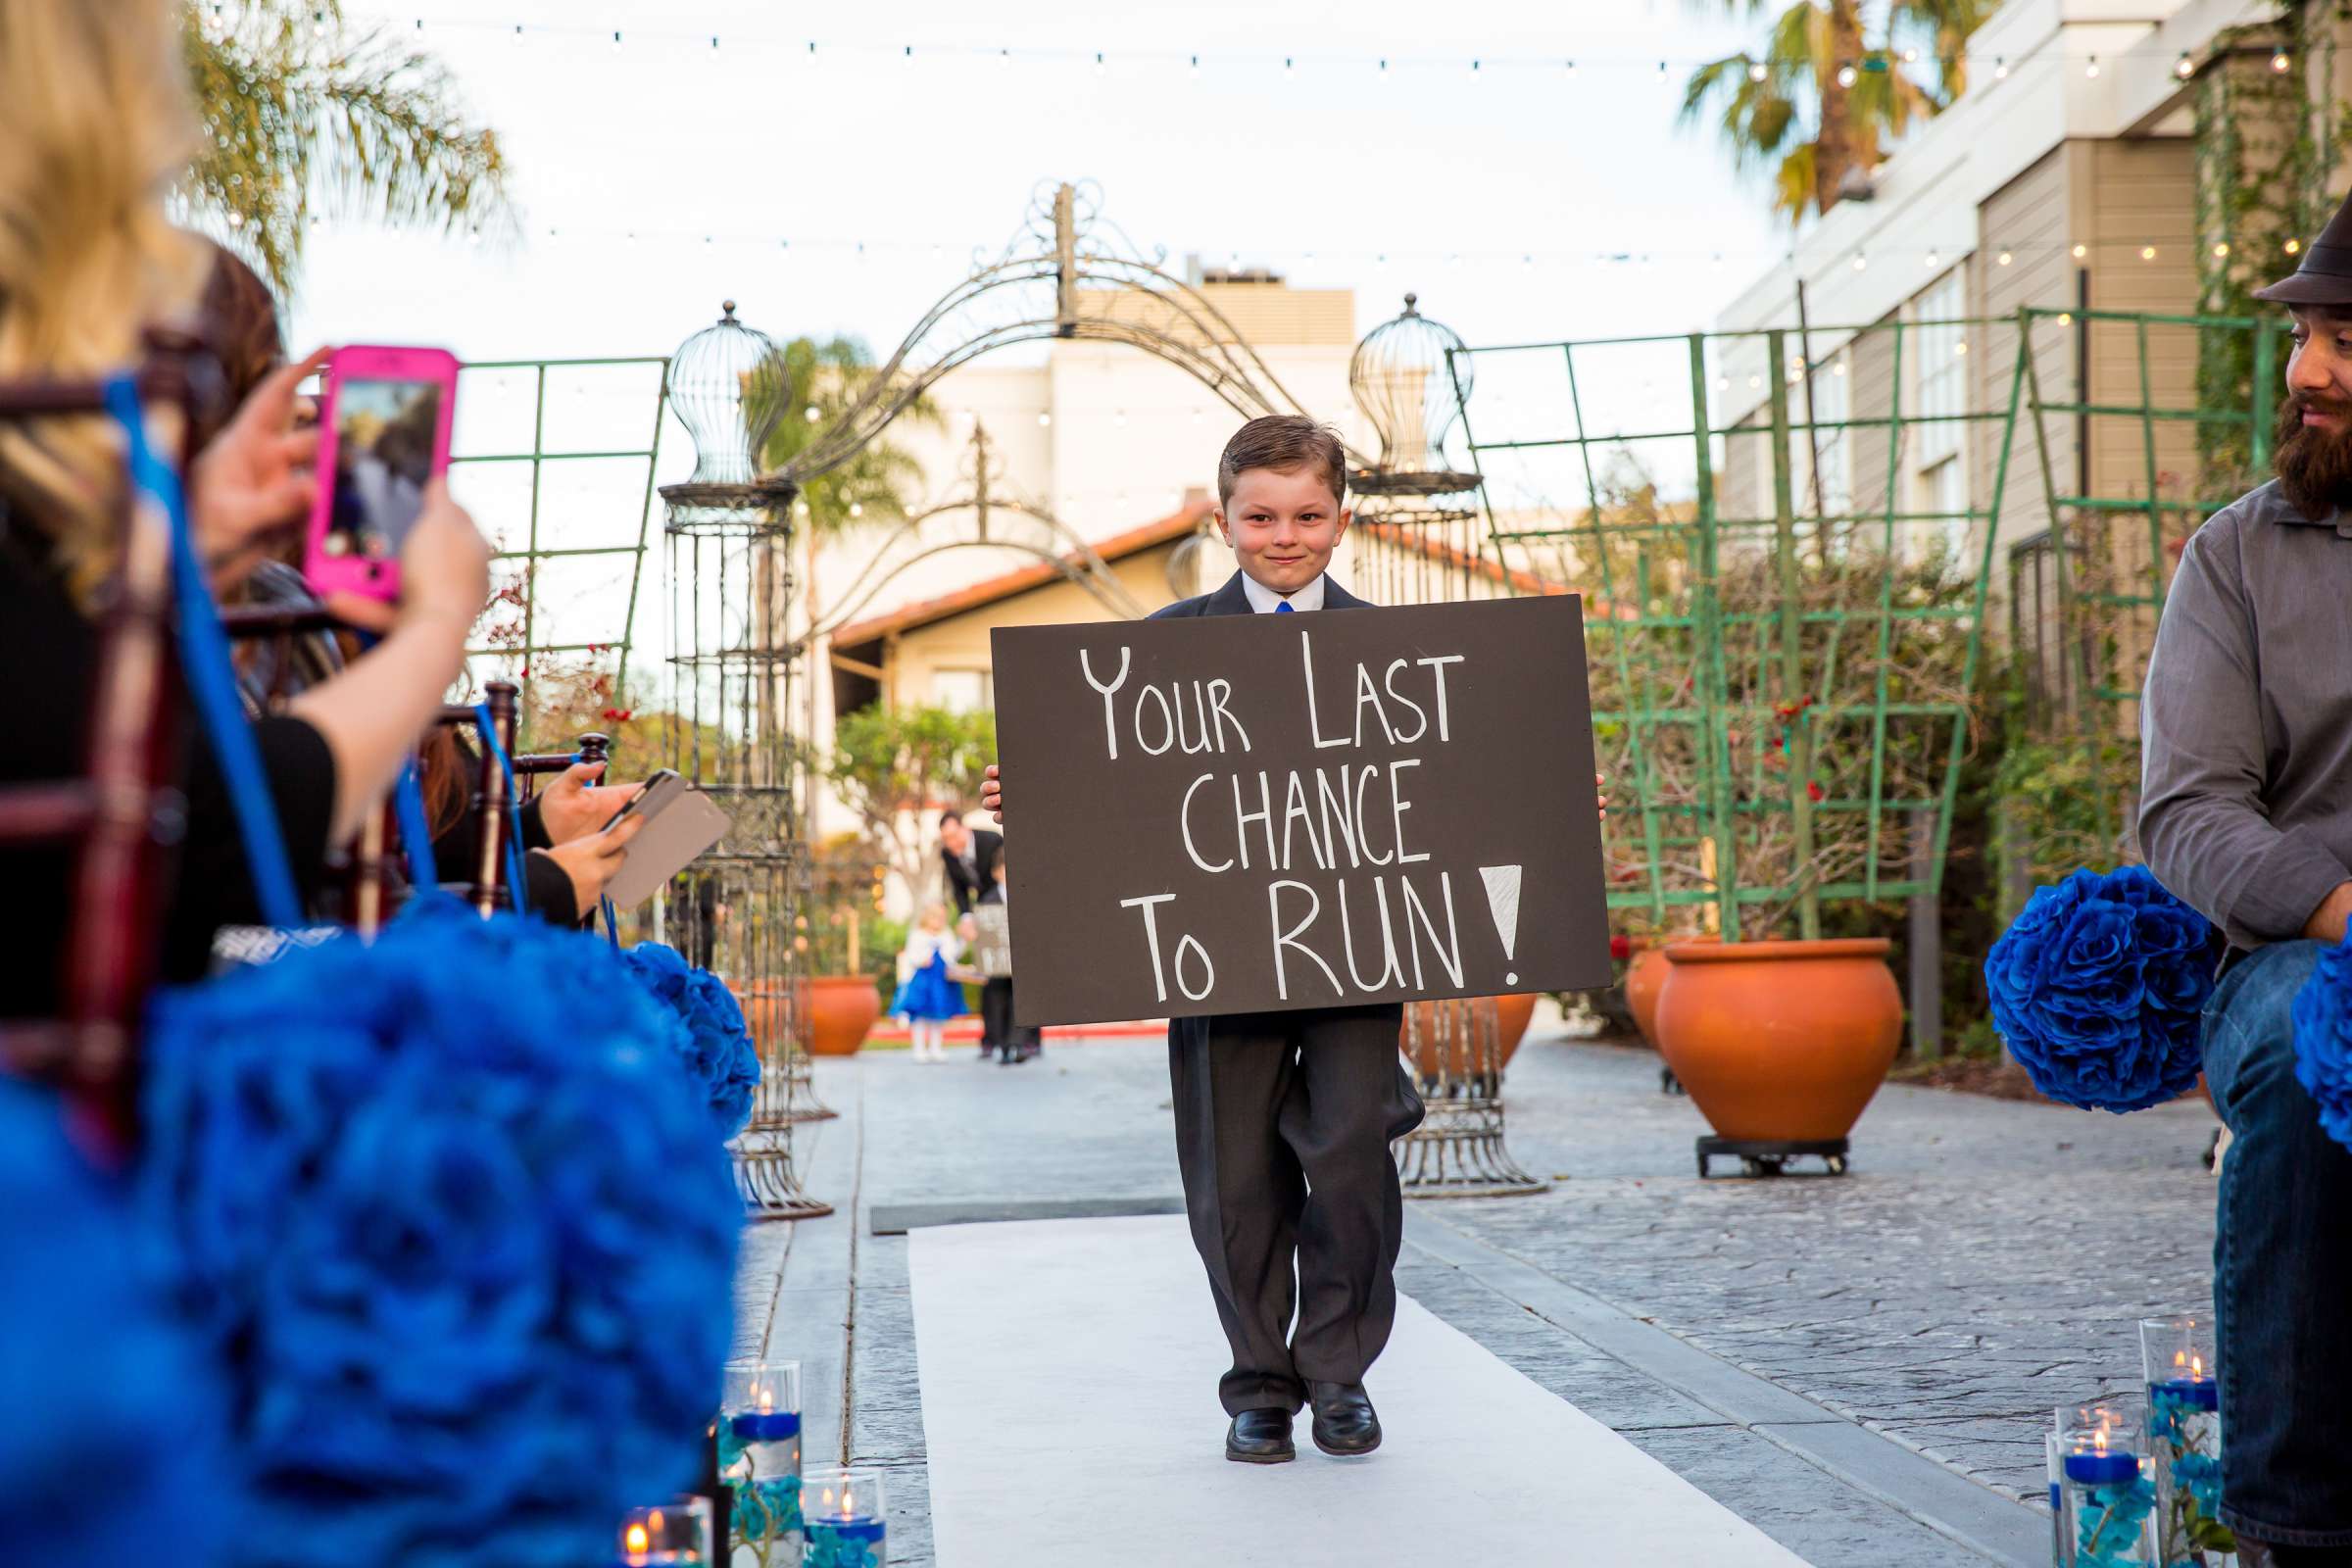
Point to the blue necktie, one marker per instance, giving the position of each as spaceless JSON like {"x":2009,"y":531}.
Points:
{"x":1283,"y":609}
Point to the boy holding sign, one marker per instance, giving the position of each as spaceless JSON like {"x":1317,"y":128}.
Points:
{"x":1283,"y":1119}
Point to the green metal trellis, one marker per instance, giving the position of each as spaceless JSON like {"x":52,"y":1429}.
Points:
{"x":1776,"y":685}
{"x":522,"y":646}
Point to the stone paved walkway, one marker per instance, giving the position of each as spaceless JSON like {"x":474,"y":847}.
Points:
{"x":1984,"y":1261}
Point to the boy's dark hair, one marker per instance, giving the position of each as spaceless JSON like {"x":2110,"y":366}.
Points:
{"x":950,"y":814}
{"x":1284,"y":442}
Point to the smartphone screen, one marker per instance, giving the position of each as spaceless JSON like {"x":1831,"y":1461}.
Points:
{"x":385,"y":433}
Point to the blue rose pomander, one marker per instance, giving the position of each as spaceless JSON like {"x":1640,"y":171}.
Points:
{"x":2322,"y":1014}
{"x":114,"y":1449}
{"x":719,"y":1052}
{"x":2097,"y":988}
{"x":454,"y":1220}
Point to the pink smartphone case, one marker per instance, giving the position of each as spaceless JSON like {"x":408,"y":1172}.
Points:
{"x":381,"y":579}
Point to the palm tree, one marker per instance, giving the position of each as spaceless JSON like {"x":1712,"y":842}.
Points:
{"x":1821,"y":102}
{"x":821,"y":380}
{"x":299,"y":110}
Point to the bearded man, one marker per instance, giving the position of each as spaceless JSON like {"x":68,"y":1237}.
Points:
{"x":2246,"y":813}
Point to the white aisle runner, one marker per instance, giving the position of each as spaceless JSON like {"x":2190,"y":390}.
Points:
{"x":1069,"y":1372}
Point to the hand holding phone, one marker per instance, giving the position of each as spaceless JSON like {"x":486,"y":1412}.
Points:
{"x":383,"y":441}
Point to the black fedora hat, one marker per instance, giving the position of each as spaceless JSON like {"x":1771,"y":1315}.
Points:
{"x":2324,"y":276}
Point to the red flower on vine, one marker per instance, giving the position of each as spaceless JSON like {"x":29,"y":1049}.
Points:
{"x":1814,"y":791}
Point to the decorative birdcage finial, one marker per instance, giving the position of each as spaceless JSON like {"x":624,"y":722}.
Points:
{"x":728,"y":384}
{"x":1410,"y":378}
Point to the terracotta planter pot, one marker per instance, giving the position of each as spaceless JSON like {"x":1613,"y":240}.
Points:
{"x":842,"y":1007}
{"x":1779,"y":1040}
{"x":1645,"y":978}
{"x":1513,"y":1014}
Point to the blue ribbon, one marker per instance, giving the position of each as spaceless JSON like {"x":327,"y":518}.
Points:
{"x":211,"y":675}
{"x":513,"y":833}
{"x":416,"y":831}
{"x":611,"y":920}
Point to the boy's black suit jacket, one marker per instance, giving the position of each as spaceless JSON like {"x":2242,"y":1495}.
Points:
{"x":1234,"y":600}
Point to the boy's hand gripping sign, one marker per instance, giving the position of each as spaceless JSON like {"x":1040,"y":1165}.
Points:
{"x":1244,"y":813}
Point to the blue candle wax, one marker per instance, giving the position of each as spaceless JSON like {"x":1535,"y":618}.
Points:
{"x":2197,"y":1394}
{"x":765,"y":1426}
{"x":2103,"y":1468}
{"x":856,"y":1541}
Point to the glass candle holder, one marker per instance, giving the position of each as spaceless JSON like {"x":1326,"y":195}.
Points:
{"x":760,"y":1459}
{"x":2054,"y":1454}
{"x":2185,"y":1435}
{"x":2107,"y":1487}
{"x":842,"y":1511}
{"x":674,"y":1534}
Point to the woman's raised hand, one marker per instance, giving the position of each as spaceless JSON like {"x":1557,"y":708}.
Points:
{"x":992,"y":794}
{"x":444,"y":573}
{"x":252,"y":484}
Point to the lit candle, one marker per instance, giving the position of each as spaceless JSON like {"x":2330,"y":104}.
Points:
{"x":676,"y":1535}
{"x":2189,"y":1385}
{"x":844,"y":1513}
{"x":2097,"y":1463}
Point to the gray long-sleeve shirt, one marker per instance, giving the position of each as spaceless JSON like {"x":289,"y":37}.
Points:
{"x":2246,"y":728}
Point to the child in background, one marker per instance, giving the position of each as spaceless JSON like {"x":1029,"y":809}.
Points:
{"x":1015,"y":1044}
{"x":927,"y":997}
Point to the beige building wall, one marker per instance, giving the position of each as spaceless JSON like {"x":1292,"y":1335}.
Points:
{"x":2032,"y":219}
{"x":948,"y":660}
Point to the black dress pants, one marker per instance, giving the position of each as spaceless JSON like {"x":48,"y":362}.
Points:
{"x":1283,"y":1126}
{"x":997,"y":1030}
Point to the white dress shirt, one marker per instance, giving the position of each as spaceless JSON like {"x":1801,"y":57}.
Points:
{"x":1264,"y":600}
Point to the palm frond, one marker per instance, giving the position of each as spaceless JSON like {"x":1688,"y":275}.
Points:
{"x":301,"y":116}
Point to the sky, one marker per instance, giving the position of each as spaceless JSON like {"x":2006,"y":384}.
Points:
{"x":656,"y":176}
{"x":844,"y":189}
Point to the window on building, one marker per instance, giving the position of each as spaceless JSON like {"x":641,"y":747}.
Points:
{"x":1939,"y":447}
{"x":962,"y":691}
{"x":1825,"y":442}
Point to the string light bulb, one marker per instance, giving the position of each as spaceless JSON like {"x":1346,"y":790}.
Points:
{"x":2147,"y":253}
{"x":2221,"y":249}
{"x":1383,"y":70}
{"x":1846,"y":75}
{"x":1044,"y":419}
{"x":2082,"y":250}
{"x":1860,"y":261}
{"x":1933,"y":259}
{"x":2004,"y":259}
{"x":1288,"y":70}
{"x":2294,"y":247}
{"x":1004,"y":57}
{"x":813,"y":416}
{"x":518,"y":34}
{"x":616,"y":40}
{"x":715,"y":40}
{"x":856,"y":508}
{"x":1911,"y":57}
{"x":1098,"y":62}
{"x":2184,"y":67}
{"x":1757,"y":70}
{"x":2001,"y":68}
{"x":2282,"y":62}
{"x":2090,"y":69}
{"x":1196,"y":67}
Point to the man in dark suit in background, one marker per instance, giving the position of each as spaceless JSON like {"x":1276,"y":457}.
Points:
{"x":1283,"y":1119}
{"x":971,"y":857}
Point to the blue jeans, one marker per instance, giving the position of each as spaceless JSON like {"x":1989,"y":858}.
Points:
{"x":2282,"y":1268}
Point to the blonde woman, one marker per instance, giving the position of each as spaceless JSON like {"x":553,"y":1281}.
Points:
{"x":95,"y":127}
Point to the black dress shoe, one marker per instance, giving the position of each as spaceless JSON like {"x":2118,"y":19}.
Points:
{"x":1344,"y":1425}
{"x":1260,"y":1437}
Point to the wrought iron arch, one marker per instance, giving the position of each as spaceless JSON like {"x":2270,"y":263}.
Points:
{"x":1002,"y":521}
{"x":1066,"y":243}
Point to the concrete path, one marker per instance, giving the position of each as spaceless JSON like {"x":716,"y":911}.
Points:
{"x":1860,"y":1368}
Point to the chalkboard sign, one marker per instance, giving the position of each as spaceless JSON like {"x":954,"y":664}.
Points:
{"x":1245,"y":813}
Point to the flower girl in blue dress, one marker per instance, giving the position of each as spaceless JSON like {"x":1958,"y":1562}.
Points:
{"x":927,"y":997}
